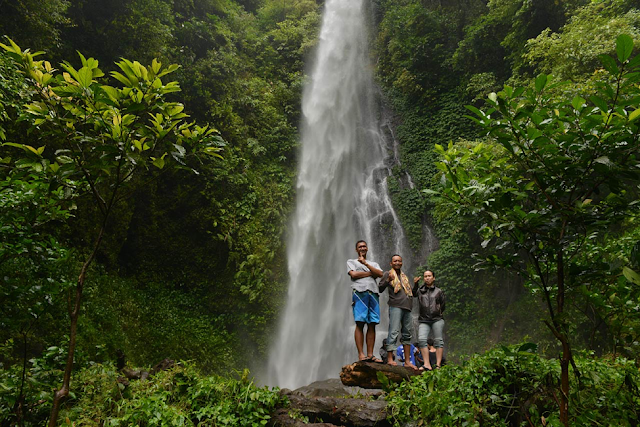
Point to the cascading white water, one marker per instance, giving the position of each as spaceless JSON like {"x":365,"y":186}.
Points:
{"x":341,"y":198}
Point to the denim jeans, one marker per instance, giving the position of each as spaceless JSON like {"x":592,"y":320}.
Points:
{"x":425,"y":329}
{"x":399,"y":318}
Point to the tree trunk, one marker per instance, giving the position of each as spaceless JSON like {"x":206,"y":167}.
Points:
{"x":74,"y":313}
{"x":365,"y":374}
{"x":564,"y":381}
{"x":566,"y":349}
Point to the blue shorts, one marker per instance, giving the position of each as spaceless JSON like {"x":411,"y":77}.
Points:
{"x":366,"y":307}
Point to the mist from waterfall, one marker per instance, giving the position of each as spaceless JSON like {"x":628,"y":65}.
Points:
{"x":341,"y":198}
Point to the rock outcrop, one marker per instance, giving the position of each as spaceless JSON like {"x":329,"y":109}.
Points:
{"x":353,"y":401}
{"x":331,"y":411}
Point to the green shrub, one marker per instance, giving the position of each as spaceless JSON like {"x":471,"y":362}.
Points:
{"x":510,"y":386}
{"x":180,"y":396}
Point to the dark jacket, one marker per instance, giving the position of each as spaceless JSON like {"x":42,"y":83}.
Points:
{"x":432,"y":304}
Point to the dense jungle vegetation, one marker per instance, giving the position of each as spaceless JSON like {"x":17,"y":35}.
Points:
{"x":145,"y":204}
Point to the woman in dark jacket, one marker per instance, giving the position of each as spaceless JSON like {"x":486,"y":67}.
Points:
{"x":432,"y":303}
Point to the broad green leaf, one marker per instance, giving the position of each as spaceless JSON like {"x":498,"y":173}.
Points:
{"x":175,"y":109}
{"x":631,"y":275}
{"x":13,"y":48}
{"x":506,"y":144}
{"x":171,"y":87}
{"x":609,"y":64}
{"x":121,"y":78}
{"x":155,"y":66}
{"x":170,"y":69}
{"x":85,"y":76}
{"x":64,"y":159}
{"x":475,"y":110}
{"x":604,"y":160}
{"x":158,"y":162}
{"x":68,"y":90}
{"x":383,"y":379}
{"x":72,"y":72}
{"x":541,"y":82}
{"x":83,"y":60}
{"x":111,"y":91}
{"x":127,"y":67}
{"x":634,"y":62}
{"x":181,"y":151}
{"x":634,"y":115}
{"x":624,"y":47}
{"x":13,"y":144}
{"x":27,"y":148}
{"x":599,"y":102}
{"x":528,"y":347}
{"x":578,"y":102}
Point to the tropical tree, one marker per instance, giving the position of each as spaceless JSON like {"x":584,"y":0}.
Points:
{"x":552,"y":174}
{"x":96,"y":139}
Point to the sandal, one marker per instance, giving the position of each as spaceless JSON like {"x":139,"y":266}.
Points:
{"x":371,"y":359}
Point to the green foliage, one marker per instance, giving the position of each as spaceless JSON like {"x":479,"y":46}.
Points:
{"x":454,"y":275}
{"x":486,"y":45}
{"x":27,"y":209}
{"x":274,"y":13}
{"x":413,"y":48}
{"x":102,"y":136}
{"x":13,"y":94}
{"x":102,"y":131}
{"x":34,"y":22}
{"x":544,"y":185}
{"x":564,"y":52}
{"x":112,"y":29}
{"x":34,"y":267}
{"x":150,"y":323}
{"x":409,"y":204}
{"x":605,"y":274}
{"x":554,"y":174}
{"x":512,"y":386}
{"x":180,"y":396}
{"x":31,"y":395}
{"x":496,"y":39}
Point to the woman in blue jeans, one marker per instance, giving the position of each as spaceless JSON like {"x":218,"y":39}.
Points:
{"x":431,"y":299}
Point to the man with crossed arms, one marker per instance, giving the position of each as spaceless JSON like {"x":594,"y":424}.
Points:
{"x":365,"y":299}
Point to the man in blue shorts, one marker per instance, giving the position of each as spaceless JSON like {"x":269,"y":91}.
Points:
{"x":366,"y":309}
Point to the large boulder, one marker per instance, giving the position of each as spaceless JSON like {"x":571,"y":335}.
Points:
{"x":331,"y":411}
{"x":333,"y":387}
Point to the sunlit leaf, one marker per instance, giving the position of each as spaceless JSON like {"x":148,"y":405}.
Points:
{"x":631,"y":275}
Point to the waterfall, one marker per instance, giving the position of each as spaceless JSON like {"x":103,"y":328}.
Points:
{"x":341,"y":198}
